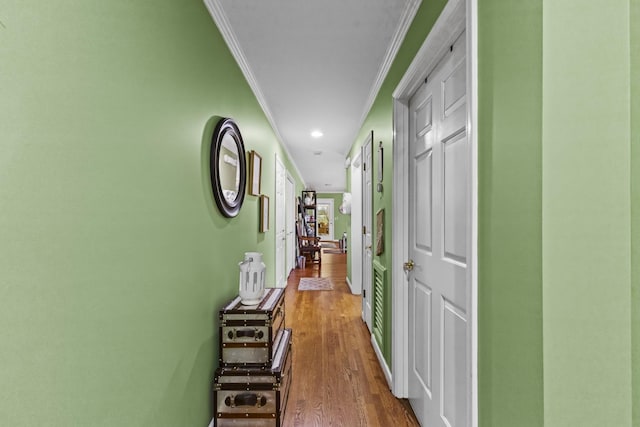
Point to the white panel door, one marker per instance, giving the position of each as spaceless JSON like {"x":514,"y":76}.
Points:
{"x":280,"y":224}
{"x":290,"y":220}
{"x":367,"y":255}
{"x":439,"y":218}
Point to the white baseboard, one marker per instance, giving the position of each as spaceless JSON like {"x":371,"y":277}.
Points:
{"x":351,"y":287}
{"x":383,"y":363}
{"x":211,"y":423}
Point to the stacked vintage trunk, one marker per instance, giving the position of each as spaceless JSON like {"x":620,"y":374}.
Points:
{"x":252,"y":381}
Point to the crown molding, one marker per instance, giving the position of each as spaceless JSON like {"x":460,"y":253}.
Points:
{"x":217,"y":13}
{"x":445,"y":31}
{"x":405,"y":22}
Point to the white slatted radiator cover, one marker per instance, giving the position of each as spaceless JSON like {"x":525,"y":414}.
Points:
{"x":379,"y":312}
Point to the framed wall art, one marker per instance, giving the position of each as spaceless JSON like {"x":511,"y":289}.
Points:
{"x":264,"y":213}
{"x":380,"y":167}
{"x":380,"y":232}
{"x":255,"y":173}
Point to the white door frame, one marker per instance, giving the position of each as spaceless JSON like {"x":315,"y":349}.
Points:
{"x":455,"y":17}
{"x":290,"y":222}
{"x":280,"y":257}
{"x":355,"y":245}
{"x":367,"y":232}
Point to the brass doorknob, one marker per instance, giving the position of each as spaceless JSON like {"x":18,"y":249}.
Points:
{"x":408,"y":266}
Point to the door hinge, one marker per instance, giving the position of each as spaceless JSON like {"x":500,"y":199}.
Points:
{"x":364,"y":167}
{"x":364,"y":293}
{"x":364,"y":229}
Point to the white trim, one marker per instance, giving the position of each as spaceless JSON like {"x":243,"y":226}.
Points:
{"x":405,"y":22}
{"x":350,"y":285}
{"x":285,"y":273}
{"x":447,"y":28}
{"x":400,"y":253}
{"x":367,"y":224}
{"x":211,"y":423}
{"x":383,"y":363}
{"x":472,"y":115}
{"x":354,"y":249}
{"x":217,"y":13}
{"x":290,"y":210}
{"x":452,"y":21}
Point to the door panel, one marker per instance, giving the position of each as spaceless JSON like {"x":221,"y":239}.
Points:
{"x":455,"y":167}
{"x":453,"y":88}
{"x":422,"y":364}
{"x":290,"y":220}
{"x":453,"y":392}
{"x":280,"y":224}
{"x":367,"y":221}
{"x":424,"y":224}
{"x":439,"y":215}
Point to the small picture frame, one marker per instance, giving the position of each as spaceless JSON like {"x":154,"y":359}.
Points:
{"x":380,"y":232}
{"x":380,"y":166}
{"x":255,"y":173}
{"x":264,"y":213}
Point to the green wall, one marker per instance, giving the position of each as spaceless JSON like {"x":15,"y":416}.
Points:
{"x":115,"y":259}
{"x":509,"y":213}
{"x":634,"y":21}
{"x":586,"y":214}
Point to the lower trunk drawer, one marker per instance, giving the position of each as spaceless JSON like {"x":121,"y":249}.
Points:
{"x":255,"y":396}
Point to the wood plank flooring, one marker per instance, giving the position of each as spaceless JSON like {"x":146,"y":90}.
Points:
{"x":337,"y":380}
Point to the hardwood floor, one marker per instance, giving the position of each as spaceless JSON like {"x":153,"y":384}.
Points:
{"x":337,"y":380}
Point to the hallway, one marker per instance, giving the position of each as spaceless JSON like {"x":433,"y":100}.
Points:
{"x":337,"y":380}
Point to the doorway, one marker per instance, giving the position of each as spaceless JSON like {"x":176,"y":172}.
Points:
{"x":438,"y":253}
{"x":280,"y":223}
{"x":290,"y":219}
{"x":435,"y":223}
{"x":325,"y":218}
{"x":355,"y":245}
{"x":367,"y":232}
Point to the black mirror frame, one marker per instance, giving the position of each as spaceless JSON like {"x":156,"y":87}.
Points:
{"x":227,"y":126}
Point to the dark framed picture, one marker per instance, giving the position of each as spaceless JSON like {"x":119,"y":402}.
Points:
{"x":264,"y":213}
{"x":255,"y":173}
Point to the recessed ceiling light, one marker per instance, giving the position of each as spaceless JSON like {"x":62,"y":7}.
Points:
{"x":316,"y":134}
{"x":317,"y":152}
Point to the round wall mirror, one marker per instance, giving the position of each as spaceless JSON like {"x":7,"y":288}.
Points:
{"x":228,"y":167}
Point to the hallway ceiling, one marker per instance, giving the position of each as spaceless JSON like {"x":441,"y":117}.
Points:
{"x":315,"y":66}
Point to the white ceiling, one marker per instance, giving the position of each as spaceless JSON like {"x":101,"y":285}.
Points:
{"x":315,"y":65}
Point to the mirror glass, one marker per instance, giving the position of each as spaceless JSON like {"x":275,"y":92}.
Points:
{"x":229,"y":170}
{"x":228,"y":167}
